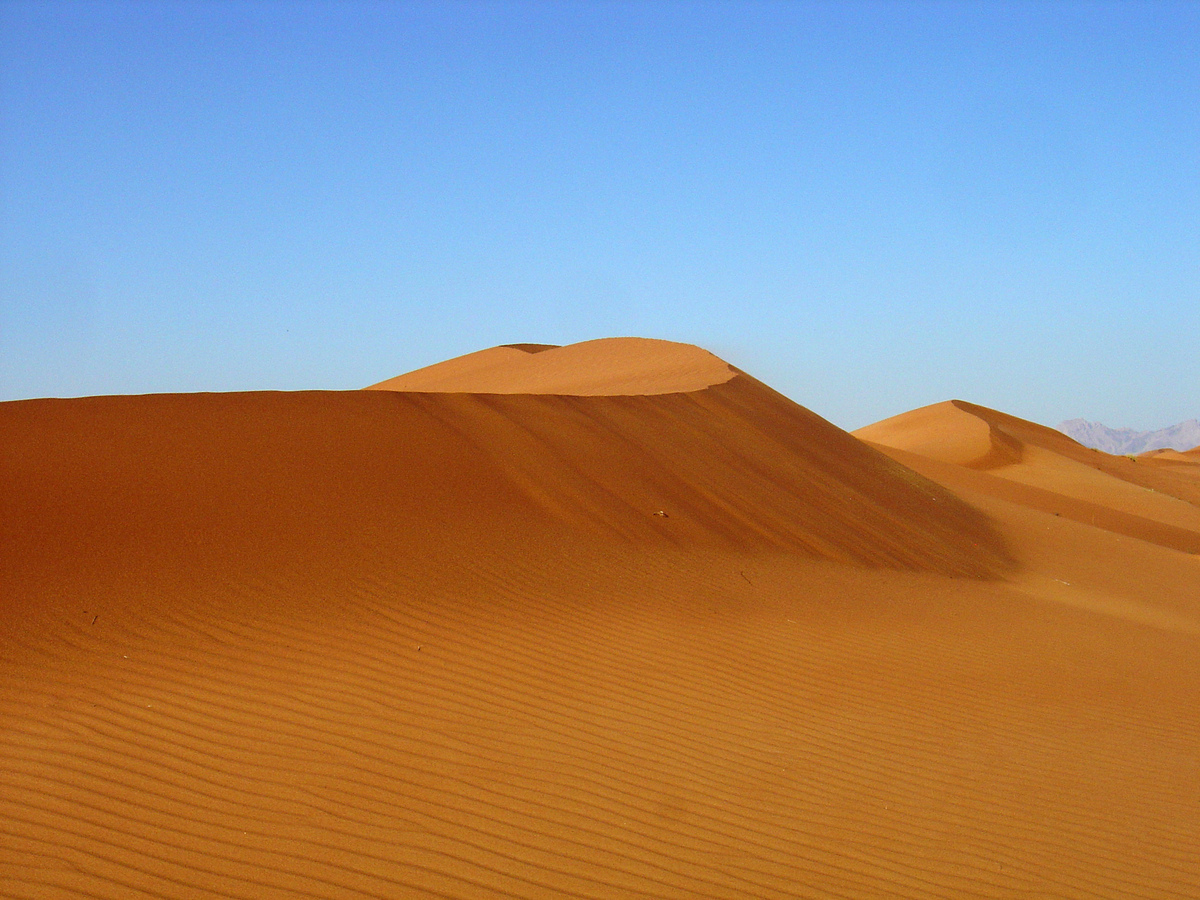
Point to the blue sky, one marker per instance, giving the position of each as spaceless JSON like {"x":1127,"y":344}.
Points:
{"x":869,"y":206}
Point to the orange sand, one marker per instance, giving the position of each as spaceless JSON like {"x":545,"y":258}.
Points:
{"x":428,"y":644}
{"x":612,"y":366}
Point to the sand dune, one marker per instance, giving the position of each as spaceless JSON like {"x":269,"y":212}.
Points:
{"x":623,"y":623}
{"x":1185,"y":464}
{"x":1166,"y":455}
{"x":948,"y":432}
{"x":610,"y":366}
{"x":1042,"y":466}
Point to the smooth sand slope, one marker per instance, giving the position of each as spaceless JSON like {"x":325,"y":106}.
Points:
{"x":620,"y":623}
{"x":612,"y":366}
{"x":1186,"y":463}
{"x":1040,"y":467}
{"x":1035,"y":480}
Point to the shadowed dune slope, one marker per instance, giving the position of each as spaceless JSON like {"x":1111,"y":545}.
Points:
{"x":174,"y":485}
{"x":1154,"y":500}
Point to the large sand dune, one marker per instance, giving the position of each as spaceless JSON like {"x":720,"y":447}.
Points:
{"x":621,"y":623}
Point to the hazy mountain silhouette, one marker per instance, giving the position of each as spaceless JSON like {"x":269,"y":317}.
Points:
{"x":1183,"y":436}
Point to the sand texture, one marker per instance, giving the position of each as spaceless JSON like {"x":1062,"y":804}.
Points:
{"x":622,"y":623}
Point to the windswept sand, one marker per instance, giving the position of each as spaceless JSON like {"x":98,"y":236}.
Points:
{"x":606,"y":367}
{"x":621,"y":623}
{"x":1038,"y":466}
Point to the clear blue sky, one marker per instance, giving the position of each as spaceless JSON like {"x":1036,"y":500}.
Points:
{"x":869,"y":206}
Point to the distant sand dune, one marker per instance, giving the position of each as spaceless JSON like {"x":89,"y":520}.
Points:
{"x":1187,"y":456}
{"x":1057,"y":474}
{"x":656,"y":631}
{"x":1185,"y":465}
{"x":948,"y":432}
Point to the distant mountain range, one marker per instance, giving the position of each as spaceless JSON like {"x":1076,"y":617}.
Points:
{"x":1183,"y":436}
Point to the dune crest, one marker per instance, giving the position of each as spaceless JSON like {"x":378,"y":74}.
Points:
{"x":604,"y":367}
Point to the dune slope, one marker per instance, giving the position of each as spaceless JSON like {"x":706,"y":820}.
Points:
{"x":443,"y":644}
{"x":171,"y":486}
{"x":1040,"y":467}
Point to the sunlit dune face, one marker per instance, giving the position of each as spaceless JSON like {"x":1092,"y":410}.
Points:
{"x":610,"y":366}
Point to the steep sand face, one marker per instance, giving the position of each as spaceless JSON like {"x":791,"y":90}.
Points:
{"x":609,"y":366}
{"x":381,"y":644}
